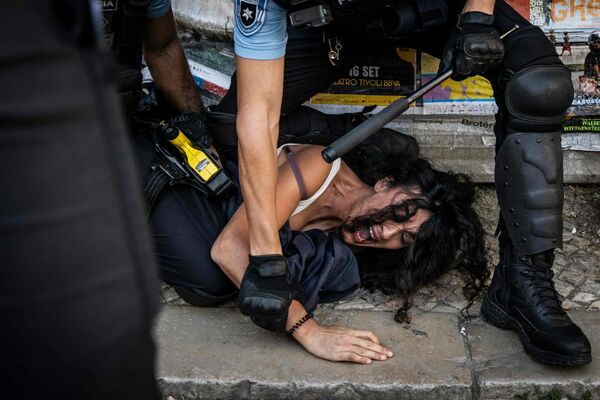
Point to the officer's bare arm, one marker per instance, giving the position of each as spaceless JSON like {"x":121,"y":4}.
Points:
{"x":168,"y":64}
{"x":485,"y":6}
{"x":260,"y":91}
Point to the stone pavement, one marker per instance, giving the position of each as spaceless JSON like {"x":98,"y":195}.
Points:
{"x":218,"y":353}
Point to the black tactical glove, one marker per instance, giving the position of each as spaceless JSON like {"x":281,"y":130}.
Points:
{"x":152,"y":104}
{"x":474,"y":46}
{"x":148,"y":99}
{"x":193,"y":125}
{"x":266,"y":292}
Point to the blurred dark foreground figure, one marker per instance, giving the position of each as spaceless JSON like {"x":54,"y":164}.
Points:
{"x":77,"y":280}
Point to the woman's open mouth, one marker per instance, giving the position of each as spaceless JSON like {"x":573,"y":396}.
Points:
{"x":364,"y":234}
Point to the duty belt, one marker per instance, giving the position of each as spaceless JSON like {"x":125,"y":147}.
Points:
{"x":169,"y":170}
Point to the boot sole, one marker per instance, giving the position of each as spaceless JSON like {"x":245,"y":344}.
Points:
{"x":497,"y":316}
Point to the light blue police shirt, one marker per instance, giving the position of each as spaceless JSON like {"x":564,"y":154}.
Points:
{"x":259,"y":31}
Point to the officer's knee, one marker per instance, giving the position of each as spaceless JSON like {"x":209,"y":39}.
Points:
{"x":201,"y":298}
{"x":537,"y":98}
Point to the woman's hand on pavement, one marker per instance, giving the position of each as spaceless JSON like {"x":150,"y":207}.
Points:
{"x":336,"y":343}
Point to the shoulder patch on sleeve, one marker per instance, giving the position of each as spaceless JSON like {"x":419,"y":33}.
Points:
{"x":250,"y":15}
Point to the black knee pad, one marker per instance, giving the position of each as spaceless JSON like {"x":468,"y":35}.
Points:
{"x":200,"y":298}
{"x":529,"y":183}
{"x":537,"y":98}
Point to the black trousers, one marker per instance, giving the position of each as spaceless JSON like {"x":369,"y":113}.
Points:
{"x":184,"y":225}
{"x":78,"y":287}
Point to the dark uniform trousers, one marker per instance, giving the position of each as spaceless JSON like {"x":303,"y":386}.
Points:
{"x":78,"y":287}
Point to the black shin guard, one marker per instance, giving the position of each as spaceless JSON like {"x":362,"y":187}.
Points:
{"x":529,"y":172}
{"x":530,"y":192}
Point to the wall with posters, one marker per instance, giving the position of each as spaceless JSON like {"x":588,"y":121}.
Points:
{"x":575,"y":20}
{"x":571,"y":24}
{"x":380,"y":77}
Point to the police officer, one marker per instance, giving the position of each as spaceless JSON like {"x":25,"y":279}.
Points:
{"x":78,"y":287}
{"x":133,"y":27}
{"x":136,"y":28}
{"x":532,"y":89}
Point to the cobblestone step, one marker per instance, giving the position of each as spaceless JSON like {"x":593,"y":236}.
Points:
{"x":452,"y":154}
{"x":220,"y":354}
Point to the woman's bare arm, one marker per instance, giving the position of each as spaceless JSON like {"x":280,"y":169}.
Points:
{"x":232,"y":247}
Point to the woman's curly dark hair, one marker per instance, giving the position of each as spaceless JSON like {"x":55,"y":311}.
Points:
{"x":451,"y":238}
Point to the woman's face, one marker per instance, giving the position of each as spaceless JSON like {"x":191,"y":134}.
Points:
{"x":388,"y":234}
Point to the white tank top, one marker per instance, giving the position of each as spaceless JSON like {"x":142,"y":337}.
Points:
{"x":335,"y":168}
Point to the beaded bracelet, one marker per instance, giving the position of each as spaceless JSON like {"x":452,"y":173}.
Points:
{"x":299,"y":323}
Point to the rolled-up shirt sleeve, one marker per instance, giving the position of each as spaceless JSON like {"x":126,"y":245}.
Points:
{"x":260,"y":29}
{"x":158,"y":8}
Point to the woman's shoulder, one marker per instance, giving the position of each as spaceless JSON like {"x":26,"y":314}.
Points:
{"x":304,"y":147}
{"x":308,"y":154}
{"x":312,"y":166}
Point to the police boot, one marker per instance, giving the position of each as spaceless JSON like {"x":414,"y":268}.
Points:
{"x":522,"y":297}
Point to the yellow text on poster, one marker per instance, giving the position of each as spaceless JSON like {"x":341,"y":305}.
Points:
{"x":474,"y":88}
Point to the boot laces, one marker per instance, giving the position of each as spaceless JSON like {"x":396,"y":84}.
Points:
{"x":540,"y":278}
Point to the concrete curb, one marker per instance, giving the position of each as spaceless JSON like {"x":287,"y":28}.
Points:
{"x":219,"y":354}
{"x":246,"y":389}
{"x":504,"y":371}
{"x":445,"y":153}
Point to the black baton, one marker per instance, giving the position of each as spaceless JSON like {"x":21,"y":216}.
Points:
{"x":361,"y":132}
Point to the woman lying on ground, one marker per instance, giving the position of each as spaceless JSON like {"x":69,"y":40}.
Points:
{"x":415,"y":223}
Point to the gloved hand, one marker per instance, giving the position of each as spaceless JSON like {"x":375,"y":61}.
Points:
{"x":266,"y":292}
{"x":474,"y":46}
{"x":193,"y":125}
{"x":148,"y":99}
{"x":152,"y":104}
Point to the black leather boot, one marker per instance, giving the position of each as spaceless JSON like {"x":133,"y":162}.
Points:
{"x":522,"y":297}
